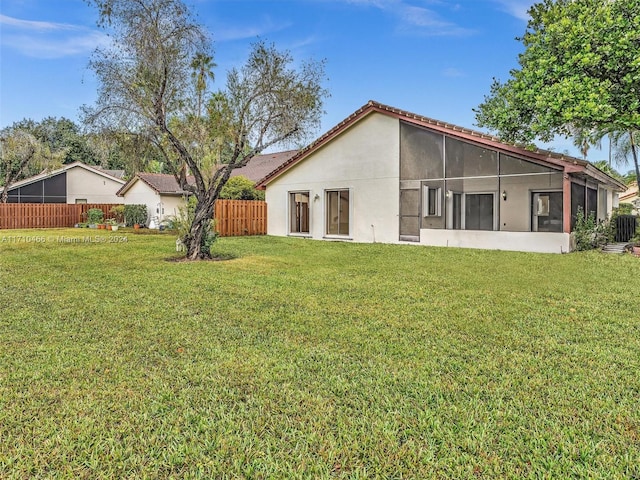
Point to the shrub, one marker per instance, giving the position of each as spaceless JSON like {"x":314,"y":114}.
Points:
{"x":590,"y":234}
{"x":95,"y":215}
{"x":240,"y":188}
{"x":135,"y":214}
{"x":118,"y":213}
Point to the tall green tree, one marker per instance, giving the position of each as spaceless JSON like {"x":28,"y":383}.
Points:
{"x":580,"y":70}
{"x":23,"y":155}
{"x":17,"y":149}
{"x":61,"y":135}
{"x":146,"y":87}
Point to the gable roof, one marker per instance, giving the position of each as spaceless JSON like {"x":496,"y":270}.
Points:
{"x":261,"y":165}
{"x":114,"y":173}
{"x":53,"y":173}
{"x":161,"y":183}
{"x":166,"y":184}
{"x":544,"y":157}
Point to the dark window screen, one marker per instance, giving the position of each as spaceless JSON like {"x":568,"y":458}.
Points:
{"x":479,"y":211}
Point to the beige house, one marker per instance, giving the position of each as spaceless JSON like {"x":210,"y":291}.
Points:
{"x":388,"y":175}
{"x":163,"y":196}
{"x":73,"y":183}
{"x":630,"y":196}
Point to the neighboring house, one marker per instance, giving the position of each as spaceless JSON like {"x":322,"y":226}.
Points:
{"x":73,"y":183}
{"x":387,"y":175}
{"x":163,"y":196}
{"x":158,"y":191}
{"x":631,"y":196}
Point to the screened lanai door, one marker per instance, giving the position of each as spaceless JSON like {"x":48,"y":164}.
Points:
{"x":547,"y":212}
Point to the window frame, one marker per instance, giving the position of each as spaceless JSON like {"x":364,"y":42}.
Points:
{"x":290,"y":203}
{"x":463,"y":209}
{"x":349,"y":213}
{"x":427,"y":204}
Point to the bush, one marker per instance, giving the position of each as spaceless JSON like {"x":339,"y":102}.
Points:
{"x":95,"y":215}
{"x":118,"y":213}
{"x":590,"y":234}
{"x":240,"y":188}
{"x":135,"y":214}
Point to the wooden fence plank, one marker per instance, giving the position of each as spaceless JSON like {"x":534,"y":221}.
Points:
{"x":47,"y":215}
{"x":240,"y":217}
{"x":232,"y":217}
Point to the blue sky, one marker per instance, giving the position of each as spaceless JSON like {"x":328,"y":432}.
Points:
{"x":432,"y":57}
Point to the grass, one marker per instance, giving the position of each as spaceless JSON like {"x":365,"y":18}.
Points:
{"x":304,"y":359}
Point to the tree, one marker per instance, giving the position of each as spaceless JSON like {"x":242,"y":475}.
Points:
{"x":241,"y":188}
{"x":61,"y":135}
{"x":17,"y":149}
{"x":579,"y":70}
{"x":145,"y":87}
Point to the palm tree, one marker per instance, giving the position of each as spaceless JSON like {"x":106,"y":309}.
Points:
{"x":202,"y":65}
{"x":625,"y":144}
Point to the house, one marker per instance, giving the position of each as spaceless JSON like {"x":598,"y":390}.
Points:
{"x":388,"y":175}
{"x":163,"y":196}
{"x":73,"y":183}
{"x":630,"y":196}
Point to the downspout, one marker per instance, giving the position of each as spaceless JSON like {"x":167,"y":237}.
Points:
{"x":566,"y":202}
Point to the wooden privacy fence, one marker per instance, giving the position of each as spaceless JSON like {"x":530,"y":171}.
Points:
{"x":47,"y":215}
{"x":241,"y":217}
{"x":233,"y":217}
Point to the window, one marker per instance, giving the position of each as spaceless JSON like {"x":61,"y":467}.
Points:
{"x":471,"y":211}
{"x":337,"y":212}
{"x":299,"y":212}
{"x":547,"y":212}
{"x":431,"y":203}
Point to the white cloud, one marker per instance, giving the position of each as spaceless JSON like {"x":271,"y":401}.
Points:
{"x":418,"y":20}
{"x":453,"y":72}
{"x":222,"y":34}
{"x":32,"y":25}
{"x":516,"y":8}
{"x":40,"y":39}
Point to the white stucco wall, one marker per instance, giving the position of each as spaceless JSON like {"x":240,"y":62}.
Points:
{"x":92,"y":187}
{"x":140,"y":193}
{"x":364,"y":159}
{"x":541,"y":242}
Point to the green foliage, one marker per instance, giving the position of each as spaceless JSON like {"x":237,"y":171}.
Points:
{"x":579,"y":70}
{"x":623,"y":209}
{"x":118,"y":213}
{"x":95,"y":215}
{"x":590,"y":234}
{"x":240,"y":188}
{"x":135,"y":214}
{"x":635,"y":240}
{"x":285,"y":363}
{"x":61,"y":135}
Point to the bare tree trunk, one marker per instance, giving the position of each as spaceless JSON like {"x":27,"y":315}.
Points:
{"x":199,"y":230}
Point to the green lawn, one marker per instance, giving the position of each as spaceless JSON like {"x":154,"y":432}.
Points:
{"x":305,"y":359}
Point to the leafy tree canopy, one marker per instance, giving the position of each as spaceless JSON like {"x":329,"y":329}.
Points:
{"x":580,"y":69}
{"x":61,"y":135}
{"x":579,"y":72}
